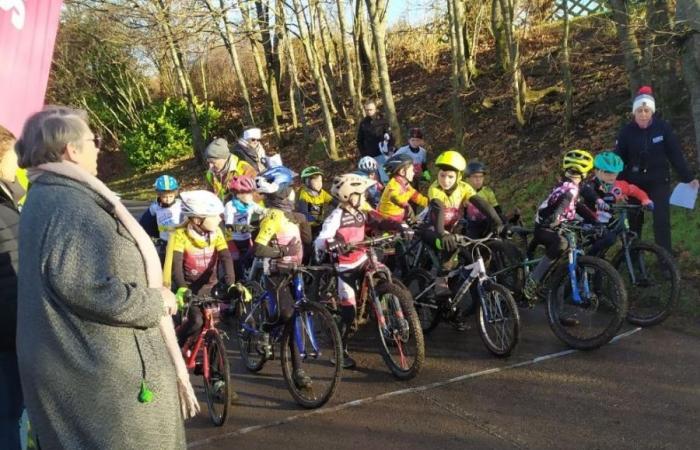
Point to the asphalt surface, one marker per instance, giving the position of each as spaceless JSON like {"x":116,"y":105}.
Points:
{"x":640,"y":391}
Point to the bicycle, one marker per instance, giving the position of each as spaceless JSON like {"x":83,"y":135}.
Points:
{"x":498,"y":317}
{"x":586,"y":299}
{"x":205,"y":355}
{"x":650,"y":273}
{"x":401,"y":337}
{"x":311,"y":330}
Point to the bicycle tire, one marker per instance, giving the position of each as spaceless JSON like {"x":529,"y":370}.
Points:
{"x":429,"y":315}
{"x":219,"y":370}
{"x":247,"y":345}
{"x":645,"y":291}
{"x":410,"y":323}
{"x":613,"y":302}
{"x":503,"y":310}
{"x":508,"y":257}
{"x":314,"y":398}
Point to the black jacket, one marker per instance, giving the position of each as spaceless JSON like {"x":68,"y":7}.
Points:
{"x":9,"y":233}
{"x":370,"y":133}
{"x":648,"y":152}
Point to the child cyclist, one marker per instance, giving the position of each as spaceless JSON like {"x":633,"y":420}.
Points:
{"x":398,"y":194}
{"x":367,"y":167}
{"x":164,"y":214}
{"x":346,"y":225}
{"x":604,"y":189}
{"x":195,"y":250}
{"x":239,"y":213}
{"x":418,"y":154}
{"x":560,"y":206}
{"x":281,"y":237}
{"x":478,"y":225}
{"x":313,"y":201}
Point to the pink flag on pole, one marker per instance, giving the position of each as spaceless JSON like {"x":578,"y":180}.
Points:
{"x":27,"y":35}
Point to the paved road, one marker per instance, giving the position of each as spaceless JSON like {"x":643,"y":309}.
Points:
{"x":642,"y":391}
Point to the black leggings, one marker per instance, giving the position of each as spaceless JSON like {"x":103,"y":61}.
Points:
{"x":554,"y":244}
{"x":660,"y":194}
{"x":192,"y":326}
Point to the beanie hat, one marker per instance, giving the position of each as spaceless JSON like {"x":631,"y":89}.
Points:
{"x":252,"y":133}
{"x":644,"y":97}
{"x":415,"y":133}
{"x":217,"y":149}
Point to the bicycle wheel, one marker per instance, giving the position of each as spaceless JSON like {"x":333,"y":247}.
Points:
{"x":426,"y":306}
{"x":218,"y":385}
{"x":401,"y":337}
{"x":652,"y":280}
{"x":498,"y":319}
{"x":507,"y":258}
{"x":249,"y":318}
{"x":316,"y":335}
{"x":595,"y":320}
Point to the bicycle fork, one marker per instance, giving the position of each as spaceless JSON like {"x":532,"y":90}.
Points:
{"x":573,"y":277}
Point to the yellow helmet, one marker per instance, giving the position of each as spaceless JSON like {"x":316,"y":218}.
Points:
{"x":578,"y":160}
{"x":451,"y":159}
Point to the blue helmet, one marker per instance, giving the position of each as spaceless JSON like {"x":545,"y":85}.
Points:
{"x":166,"y":183}
{"x":609,"y":162}
{"x":274,"y":180}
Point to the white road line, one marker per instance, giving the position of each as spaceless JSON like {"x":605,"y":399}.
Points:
{"x":363,"y":401}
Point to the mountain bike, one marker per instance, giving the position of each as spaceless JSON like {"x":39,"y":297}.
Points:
{"x":586,"y":299}
{"x":498,"y":318}
{"x":650,"y":273}
{"x":311,"y":330}
{"x":380,"y":299}
{"x":205,"y":355}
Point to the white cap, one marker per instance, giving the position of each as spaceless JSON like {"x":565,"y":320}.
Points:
{"x":645,"y":97}
{"x":252,"y":133}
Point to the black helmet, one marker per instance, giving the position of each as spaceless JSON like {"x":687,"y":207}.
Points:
{"x":475,"y":166}
{"x":396,"y":162}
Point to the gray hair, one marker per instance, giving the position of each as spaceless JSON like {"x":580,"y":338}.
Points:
{"x":46,"y":133}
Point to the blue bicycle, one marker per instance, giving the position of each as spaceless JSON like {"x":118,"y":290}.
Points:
{"x":309,"y":342}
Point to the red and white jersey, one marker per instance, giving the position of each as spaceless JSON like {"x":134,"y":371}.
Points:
{"x":348,"y":227}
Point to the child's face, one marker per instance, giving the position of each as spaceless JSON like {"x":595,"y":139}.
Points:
{"x":316,"y":183}
{"x":415,"y":142}
{"x":372,"y":176}
{"x":408,"y":173}
{"x":245,"y":197}
{"x":355,"y":200}
{"x":606,"y":177}
{"x":476,"y":180}
{"x":574,"y":177}
{"x":292,"y":195}
{"x":447,"y":178}
{"x":210,"y":223}
{"x":167,"y":198}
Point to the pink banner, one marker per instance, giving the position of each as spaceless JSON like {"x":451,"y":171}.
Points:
{"x":27,"y":35}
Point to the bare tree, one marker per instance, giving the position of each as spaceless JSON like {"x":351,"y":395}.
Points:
{"x":366,"y":56}
{"x":254,"y":39}
{"x":566,"y":69}
{"x":272,"y":62}
{"x":349,"y":72}
{"x":630,"y":46}
{"x":508,"y":8}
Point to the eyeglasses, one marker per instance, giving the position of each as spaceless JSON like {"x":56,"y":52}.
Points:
{"x":97,"y":140}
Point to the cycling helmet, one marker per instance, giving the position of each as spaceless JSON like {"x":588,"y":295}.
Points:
{"x":310,"y":172}
{"x":578,"y":160}
{"x":609,"y":162}
{"x":165,"y":183}
{"x":348,"y":184}
{"x":475,"y":166}
{"x":241,"y":184}
{"x":397,"y":162}
{"x":367,"y":164}
{"x":201,"y":204}
{"x":274,"y":180}
{"x":451,"y":160}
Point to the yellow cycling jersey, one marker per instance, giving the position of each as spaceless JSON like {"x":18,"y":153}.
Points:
{"x":313,"y":205}
{"x":397,"y":194}
{"x":452,"y":202}
{"x":487,"y":194}
{"x":238,"y":168}
{"x":198,"y":253}
{"x":275,"y":225}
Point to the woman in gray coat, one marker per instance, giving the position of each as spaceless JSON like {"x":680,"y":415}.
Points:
{"x":95,"y":343}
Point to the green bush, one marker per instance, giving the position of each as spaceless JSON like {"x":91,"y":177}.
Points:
{"x":163,"y":132}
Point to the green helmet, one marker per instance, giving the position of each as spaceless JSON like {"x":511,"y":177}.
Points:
{"x":609,"y":162}
{"x":310,"y":172}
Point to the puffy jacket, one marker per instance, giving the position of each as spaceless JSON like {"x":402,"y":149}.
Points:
{"x":9,"y":234}
{"x":647,"y":153}
{"x":370,"y":133}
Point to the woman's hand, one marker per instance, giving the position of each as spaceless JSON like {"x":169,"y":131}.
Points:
{"x":695,"y":184}
{"x":169,"y":301}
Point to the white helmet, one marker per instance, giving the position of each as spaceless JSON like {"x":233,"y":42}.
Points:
{"x":367,"y":164}
{"x":350,"y":183}
{"x":201,"y":204}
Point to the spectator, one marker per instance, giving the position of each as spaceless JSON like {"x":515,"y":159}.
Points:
{"x":223,"y":166}
{"x":97,"y":353}
{"x":371,"y":133}
{"x":250,"y":149}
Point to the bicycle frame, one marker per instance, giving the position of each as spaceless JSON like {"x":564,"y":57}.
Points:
{"x":200,"y":342}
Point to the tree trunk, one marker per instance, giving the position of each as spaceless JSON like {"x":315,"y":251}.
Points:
{"x":508,"y":8}
{"x":457,"y":20}
{"x":499,"y":36}
{"x":356,"y":48}
{"x":660,"y":56}
{"x":378,"y":18}
{"x":473,"y":50}
{"x":455,"y":78}
{"x":292,"y":72}
{"x":566,"y":72}
{"x":688,"y":25}
{"x":254,"y":44}
{"x":316,"y":71}
{"x":368,"y":59}
{"x":349,"y":78}
{"x":628,"y":41}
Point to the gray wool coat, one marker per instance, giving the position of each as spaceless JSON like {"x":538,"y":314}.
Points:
{"x":87,"y":327}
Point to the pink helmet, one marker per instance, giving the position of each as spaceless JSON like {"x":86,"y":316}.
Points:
{"x":241,"y":184}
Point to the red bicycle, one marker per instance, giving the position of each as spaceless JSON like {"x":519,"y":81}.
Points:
{"x":205,"y":355}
